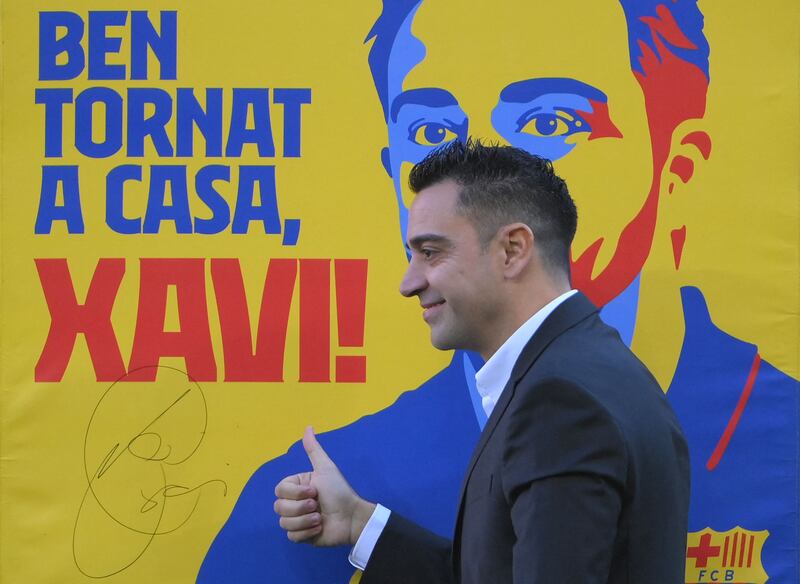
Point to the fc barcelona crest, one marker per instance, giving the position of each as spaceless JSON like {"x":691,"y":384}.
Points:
{"x":730,"y":556}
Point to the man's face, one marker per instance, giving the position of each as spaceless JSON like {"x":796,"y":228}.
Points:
{"x":563,"y":89}
{"x":454,"y":277}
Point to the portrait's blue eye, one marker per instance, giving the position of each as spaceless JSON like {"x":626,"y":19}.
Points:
{"x":546,"y":124}
{"x":432,"y":134}
{"x":560,"y":123}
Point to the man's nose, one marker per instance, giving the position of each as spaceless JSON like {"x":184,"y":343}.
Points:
{"x":413,"y":281}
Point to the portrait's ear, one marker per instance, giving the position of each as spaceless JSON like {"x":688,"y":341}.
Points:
{"x":690,"y":148}
{"x":386,"y":161}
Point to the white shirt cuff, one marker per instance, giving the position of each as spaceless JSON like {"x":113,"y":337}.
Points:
{"x":359,"y":555}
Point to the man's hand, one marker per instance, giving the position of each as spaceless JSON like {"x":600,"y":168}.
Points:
{"x":319,"y":507}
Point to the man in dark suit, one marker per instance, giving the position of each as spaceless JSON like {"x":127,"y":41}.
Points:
{"x":581,"y":473}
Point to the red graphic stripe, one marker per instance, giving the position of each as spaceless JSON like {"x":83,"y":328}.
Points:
{"x":733,"y":548}
{"x":725,"y":552}
{"x":678,"y":241}
{"x":741,"y":550}
{"x":701,"y":140}
{"x":722,"y":445}
{"x":750,"y":552}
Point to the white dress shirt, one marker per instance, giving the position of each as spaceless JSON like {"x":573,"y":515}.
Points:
{"x":490,"y":380}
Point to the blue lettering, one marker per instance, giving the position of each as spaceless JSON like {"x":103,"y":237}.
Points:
{"x":154,"y":126}
{"x":157,"y":208}
{"x":261,"y":133}
{"x":84,"y":122}
{"x":209,"y":121}
{"x":143,"y":38}
{"x":246,"y":209}
{"x":49,"y":210}
{"x":115,"y":184}
{"x":100,"y":44}
{"x":220,"y":213}
{"x":50,"y":47}
{"x":53,"y":100}
{"x":168,"y":200}
{"x":291,"y":99}
{"x":164,"y":46}
{"x":291,"y":231}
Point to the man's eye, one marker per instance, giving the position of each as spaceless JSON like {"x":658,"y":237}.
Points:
{"x":426,"y":253}
{"x":431,"y":134}
{"x":547,"y":125}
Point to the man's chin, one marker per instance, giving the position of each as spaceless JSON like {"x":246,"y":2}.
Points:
{"x":442,"y":342}
{"x":442,"y":346}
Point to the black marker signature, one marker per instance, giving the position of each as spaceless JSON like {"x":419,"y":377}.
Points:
{"x":138,"y":434}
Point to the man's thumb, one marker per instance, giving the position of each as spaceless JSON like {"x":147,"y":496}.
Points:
{"x":318,"y":457}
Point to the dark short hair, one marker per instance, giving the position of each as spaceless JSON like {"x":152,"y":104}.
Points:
{"x":501,"y":185}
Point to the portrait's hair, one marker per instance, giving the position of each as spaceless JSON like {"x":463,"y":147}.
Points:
{"x":655,"y":27}
{"x":500,"y":185}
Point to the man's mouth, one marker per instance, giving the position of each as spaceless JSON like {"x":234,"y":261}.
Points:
{"x":430,"y":309}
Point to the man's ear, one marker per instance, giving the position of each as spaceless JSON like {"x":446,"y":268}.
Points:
{"x":386,"y":161}
{"x":690,"y":147}
{"x":517,"y":243}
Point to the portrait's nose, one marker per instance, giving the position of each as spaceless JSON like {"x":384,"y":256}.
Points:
{"x":413,"y":281}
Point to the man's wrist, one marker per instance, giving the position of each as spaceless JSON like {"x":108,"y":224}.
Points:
{"x":361,"y":514}
{"x":361,"y":552}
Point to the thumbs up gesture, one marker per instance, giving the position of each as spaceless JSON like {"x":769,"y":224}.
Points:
{"x":320,"y":507}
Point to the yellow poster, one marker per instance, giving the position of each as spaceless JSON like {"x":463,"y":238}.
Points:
{"x":203,"y":220}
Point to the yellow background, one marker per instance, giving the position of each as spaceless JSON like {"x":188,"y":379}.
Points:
{"x":741,"y":212}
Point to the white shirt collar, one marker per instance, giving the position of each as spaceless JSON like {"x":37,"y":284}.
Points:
{"x":493,"y":376}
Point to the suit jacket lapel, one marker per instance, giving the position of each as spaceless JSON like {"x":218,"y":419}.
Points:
{"x":566,"y":315}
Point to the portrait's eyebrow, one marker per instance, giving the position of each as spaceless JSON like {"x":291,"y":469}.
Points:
{"x":418,"y":241}
{"x":529,"y":89}
{"x":427,"y":96}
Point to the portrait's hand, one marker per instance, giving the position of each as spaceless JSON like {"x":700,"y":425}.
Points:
{"x":320,"y":507}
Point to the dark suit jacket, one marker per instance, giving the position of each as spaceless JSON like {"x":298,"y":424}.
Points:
{"x":580,"y":476}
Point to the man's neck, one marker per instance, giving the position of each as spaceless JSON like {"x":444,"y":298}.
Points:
{"x":517,"y":315}
{"x":527,"y":315}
